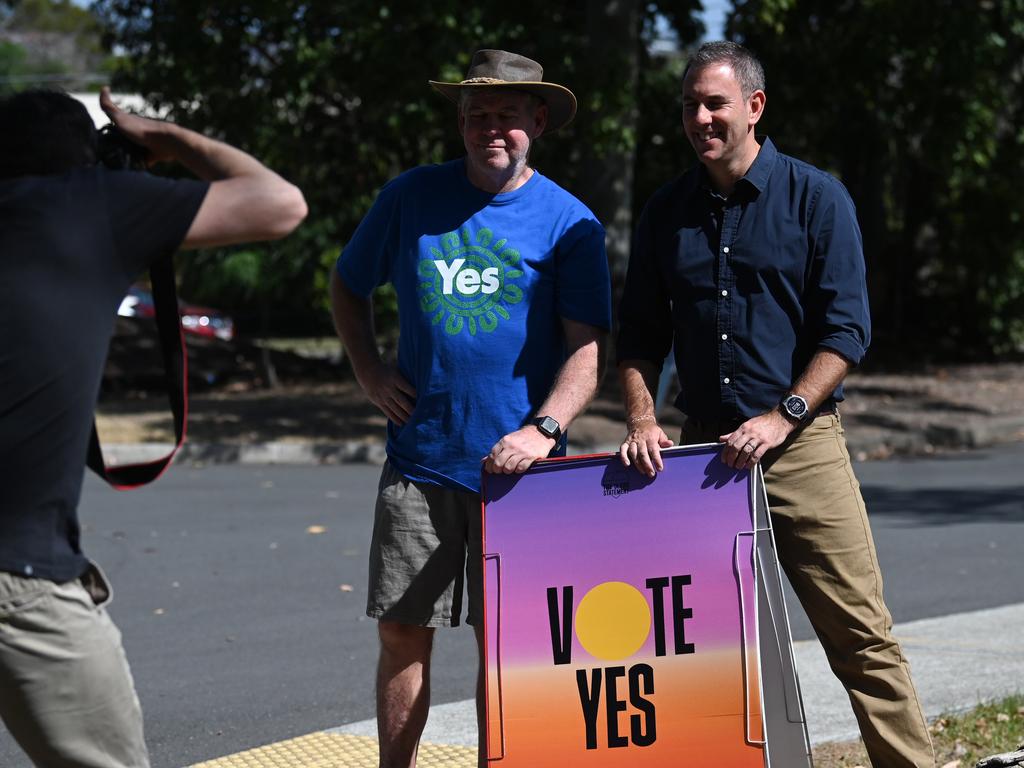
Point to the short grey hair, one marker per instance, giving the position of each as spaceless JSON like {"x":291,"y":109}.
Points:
{"x":748,"y":70}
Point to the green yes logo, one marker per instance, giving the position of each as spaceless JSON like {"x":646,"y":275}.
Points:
{"x":471,"y":282}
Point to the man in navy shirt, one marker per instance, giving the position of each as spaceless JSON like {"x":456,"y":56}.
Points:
{"x":751,"y":264}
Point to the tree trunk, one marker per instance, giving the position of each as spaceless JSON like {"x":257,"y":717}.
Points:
{"x":270,"y":378}
{"x":606,"y":180}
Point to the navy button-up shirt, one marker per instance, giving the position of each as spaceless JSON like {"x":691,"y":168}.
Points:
{"x":747,"y":286}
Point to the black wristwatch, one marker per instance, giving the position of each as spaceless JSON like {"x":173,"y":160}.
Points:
{"x":795,"y":408}
{"x":548,"y":427}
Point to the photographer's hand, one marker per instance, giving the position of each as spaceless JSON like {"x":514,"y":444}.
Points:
{"x":151,"y":135}
{"x":247,"y":201}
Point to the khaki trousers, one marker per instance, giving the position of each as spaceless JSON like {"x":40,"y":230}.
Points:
{"x":825,"y":547}
{"x":66,"y":693}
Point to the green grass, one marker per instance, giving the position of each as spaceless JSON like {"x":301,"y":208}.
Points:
{"x":961,"y":740}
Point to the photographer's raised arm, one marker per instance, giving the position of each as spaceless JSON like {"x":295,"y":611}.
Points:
{"x":246,"y":201}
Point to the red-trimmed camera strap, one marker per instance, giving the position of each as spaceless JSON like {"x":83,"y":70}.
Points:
{"x":172,"y":345}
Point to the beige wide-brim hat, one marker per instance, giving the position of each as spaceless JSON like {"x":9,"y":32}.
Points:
{"x":501,"y":69}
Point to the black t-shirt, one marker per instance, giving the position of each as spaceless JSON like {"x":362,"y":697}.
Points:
{"x":70,"y":246}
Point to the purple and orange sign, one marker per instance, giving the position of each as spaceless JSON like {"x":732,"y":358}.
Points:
{"x":620,"y":625}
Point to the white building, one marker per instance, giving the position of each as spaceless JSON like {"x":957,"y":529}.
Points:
{"x":131,"y":102}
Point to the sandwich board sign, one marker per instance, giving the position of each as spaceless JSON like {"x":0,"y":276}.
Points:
{"x":635,"y":621}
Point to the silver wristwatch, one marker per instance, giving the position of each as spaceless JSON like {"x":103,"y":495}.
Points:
{"x":795,"y":408}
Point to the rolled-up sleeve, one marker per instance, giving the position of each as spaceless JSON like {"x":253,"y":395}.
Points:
{"x":837,"y":305}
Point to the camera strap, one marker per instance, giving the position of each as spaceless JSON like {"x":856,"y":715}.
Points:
{"x":172,"y":345}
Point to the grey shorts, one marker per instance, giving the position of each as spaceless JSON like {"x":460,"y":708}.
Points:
{"x":425,"y":552}
{"x":66,"y":693}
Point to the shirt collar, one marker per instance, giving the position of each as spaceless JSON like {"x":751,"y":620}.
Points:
{"x":758,"y":173}
{"x":756,"y":176}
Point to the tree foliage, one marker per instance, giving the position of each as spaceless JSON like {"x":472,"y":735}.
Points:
{"x":61,"y":16}
{"x":334,"y":95}
{"x":919,"y":108}
{"x":46,"y":41}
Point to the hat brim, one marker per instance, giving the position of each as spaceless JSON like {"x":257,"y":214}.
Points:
{"x":560,"y":100}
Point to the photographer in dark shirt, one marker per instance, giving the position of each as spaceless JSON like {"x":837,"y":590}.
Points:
{"x":73,"y":237}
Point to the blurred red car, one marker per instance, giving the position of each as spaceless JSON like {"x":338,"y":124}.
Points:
{"x":201,"y":321}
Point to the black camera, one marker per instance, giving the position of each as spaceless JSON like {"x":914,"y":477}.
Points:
{"x":117,"y":152}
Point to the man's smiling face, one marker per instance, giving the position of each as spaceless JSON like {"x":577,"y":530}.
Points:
{"x":497,"y":127}
{"x":718,"y":118}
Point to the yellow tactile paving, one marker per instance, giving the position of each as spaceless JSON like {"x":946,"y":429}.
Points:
{"x":335,"y":750}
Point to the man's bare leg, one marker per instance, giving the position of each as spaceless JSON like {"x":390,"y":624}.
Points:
{"x":403,"y":691}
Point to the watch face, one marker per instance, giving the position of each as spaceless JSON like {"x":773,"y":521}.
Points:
{"x":796,"y":406}
{"x":549,"y":427}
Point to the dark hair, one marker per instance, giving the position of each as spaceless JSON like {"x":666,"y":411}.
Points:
{"x":44,"y":132}
{"x":748,"y":70}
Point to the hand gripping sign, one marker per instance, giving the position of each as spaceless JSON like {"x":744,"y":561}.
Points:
{"x":636,"y":622}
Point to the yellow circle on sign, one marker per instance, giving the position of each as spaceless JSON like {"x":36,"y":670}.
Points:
{"x":613,"y":621}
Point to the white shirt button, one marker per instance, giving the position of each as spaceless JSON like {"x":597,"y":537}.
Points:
{"x":725,"y":293}
{"x":725,"y":249}
{"x":725,"y":380}
{"x":725,"y":336}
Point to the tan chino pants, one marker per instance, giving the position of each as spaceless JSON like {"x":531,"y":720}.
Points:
{"x":825,"y":547}
{"x":66,"y":694}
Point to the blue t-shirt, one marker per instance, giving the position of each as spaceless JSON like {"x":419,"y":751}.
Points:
{"x":483,"y":282}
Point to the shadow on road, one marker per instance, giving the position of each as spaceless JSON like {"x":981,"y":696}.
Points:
{"x":945,"y":507}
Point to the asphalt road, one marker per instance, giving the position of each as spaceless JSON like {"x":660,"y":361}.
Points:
{"x":240,"y":590}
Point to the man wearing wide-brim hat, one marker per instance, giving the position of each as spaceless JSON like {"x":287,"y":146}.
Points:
{"x":504,"y":304}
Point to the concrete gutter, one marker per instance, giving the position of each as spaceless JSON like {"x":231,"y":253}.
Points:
{"x":274,"y":452}
{"x":891,"y":434}
{"x":957,"y":662}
